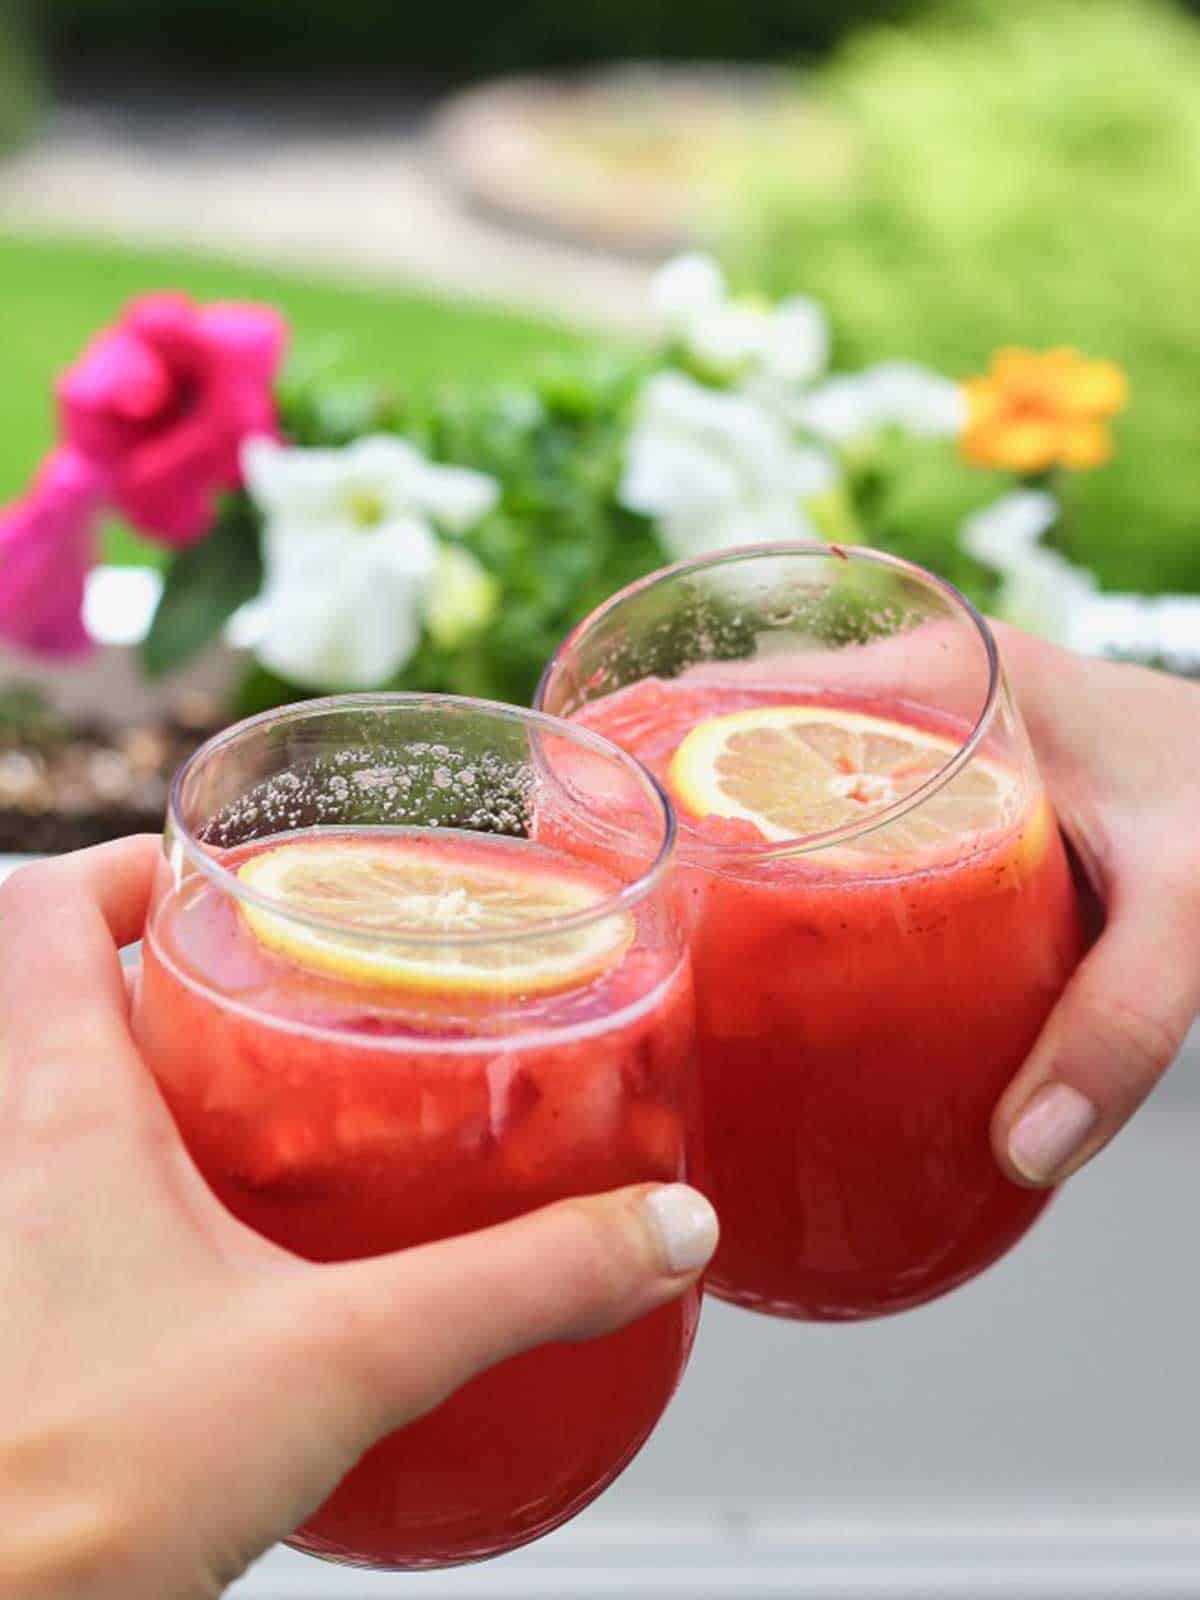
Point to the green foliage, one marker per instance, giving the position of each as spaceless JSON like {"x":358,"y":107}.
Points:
{"x":462,"y":36}
{"x":28,"y":718}
{"x":260,"y":690}
{"x":20,"y":83}
{"x":557,"y":543}
{"x":1023,"y":177}
{"x":205,"y":584}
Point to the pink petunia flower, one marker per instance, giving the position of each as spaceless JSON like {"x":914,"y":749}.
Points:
{"x":47,"y":541}
{"x":162,"y":402}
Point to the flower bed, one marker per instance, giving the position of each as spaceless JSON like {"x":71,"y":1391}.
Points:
{"x":351,"y":542}
{"x":66,"y":783}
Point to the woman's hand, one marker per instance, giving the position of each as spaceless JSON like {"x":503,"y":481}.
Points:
{"x":175,"y":1392}
{"x":1119,"y":748}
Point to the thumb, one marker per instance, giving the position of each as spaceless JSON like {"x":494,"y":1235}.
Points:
{"x":1117,"y":1028}
{"x":408,"y":1329}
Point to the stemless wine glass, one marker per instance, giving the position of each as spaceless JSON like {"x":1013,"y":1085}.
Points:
{"x":416,"y":965}
{"x":883,"y":914}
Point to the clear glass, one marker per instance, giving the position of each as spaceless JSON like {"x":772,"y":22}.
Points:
{"x":867,"y":986}
{"x":427,"y":1078}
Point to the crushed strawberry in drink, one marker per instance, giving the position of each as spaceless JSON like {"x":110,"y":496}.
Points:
{"x":343,"y":1118}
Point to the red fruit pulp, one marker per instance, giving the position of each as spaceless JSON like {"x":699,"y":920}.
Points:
{"x":343,"y":1121}
{"x":856,"y":1027}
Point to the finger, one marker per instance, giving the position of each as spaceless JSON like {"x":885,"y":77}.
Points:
{"x":1118,"y":1026}
{"x":117,"y":877}
{"x":63,"y":1000}
{"x":571,"y":1271}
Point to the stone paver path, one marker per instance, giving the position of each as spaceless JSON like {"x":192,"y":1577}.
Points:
{"x":342,"y":189}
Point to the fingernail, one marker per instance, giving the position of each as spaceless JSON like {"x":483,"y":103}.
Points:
{"x":686,"y":1226}
{"x":1050,"y":1132}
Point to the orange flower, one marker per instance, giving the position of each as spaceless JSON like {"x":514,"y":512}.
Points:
{"x":1034,"y":410}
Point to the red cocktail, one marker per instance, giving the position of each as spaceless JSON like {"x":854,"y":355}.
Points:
{"x":377,"y":1023}
{"x":883,"y":914}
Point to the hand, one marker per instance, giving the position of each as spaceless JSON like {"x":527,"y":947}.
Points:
{"x":175,"y":1392}
{"x":1119,"y":749}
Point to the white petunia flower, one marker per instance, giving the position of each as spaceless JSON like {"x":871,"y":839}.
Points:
{"x":1003,"y":532}
{"x":119,"y":603}
{"x":1049,"y":595}
{"x":1041,"y":590}
{"x":716,"y":469}
{"x":729,"y":341}
{"x":1156,"y":628}
{"x":337,"y":614}
{"x":687,"y":289}
{"x":735,"y":339}
{"x":897,"y":394}
{"x":1046,"y":594}
{"x":796,"y":346}
{"x":350,"y":555}
{"x":362,"y":485}
{"x":455,"y":498}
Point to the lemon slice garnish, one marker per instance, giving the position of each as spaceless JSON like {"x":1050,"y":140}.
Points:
{"x":405,"y":903}
{"x":797,"y":770}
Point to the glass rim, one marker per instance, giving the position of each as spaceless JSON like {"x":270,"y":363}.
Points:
{"x":811,"y":843}
{"x":621,"y":900}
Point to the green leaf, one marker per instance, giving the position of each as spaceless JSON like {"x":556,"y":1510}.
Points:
{"x":204,"y":587}
{"x":260,"y":690}
{"x":28,"y":717}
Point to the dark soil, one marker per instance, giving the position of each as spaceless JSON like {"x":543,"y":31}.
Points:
{"x":66,"y":785}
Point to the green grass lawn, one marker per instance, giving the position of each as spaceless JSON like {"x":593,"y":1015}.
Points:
{"x":55,"y":293}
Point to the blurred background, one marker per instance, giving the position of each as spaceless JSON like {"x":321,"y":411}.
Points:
{"x":443,"y":199}
{"x":945,"y":178}
{"x":437,"y":196}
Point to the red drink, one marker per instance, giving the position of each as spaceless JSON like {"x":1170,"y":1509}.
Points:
{"x":448,"y":1057}
{"x":860,"y":1009}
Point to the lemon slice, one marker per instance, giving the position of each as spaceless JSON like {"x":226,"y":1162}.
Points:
{"x":804,"y":769}
{"x":405,"y":903}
